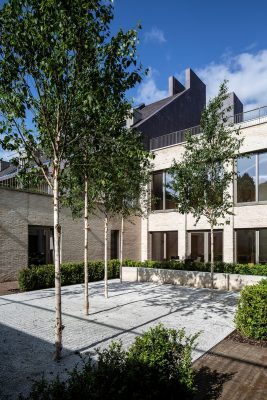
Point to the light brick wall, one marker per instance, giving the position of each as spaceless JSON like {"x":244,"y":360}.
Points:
{"x":246,"y":216}
{"x":19,"y":209}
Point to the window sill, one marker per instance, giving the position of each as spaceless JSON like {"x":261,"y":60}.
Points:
{"x":251,"y":203}
{"x":163,"y":211}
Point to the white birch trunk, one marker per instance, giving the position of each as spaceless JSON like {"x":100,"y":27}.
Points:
{"x":57,"y":234}
{"x":86,"y":227}
{"x":121,"y":247}
{"x":212,"y":257}
{"x":106,"y":258}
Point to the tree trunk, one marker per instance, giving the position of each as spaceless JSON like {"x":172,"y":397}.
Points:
{"x":57,"y":234}
{"x":106,"y":259}
{"x":121,"y":247}
{"x":212,"y":256}
{"x":86,"y":227}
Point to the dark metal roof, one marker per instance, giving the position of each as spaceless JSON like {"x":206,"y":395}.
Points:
{"x":153,"y":108}
{"x":8,"y":171}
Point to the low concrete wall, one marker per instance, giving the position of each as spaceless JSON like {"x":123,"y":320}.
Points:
{"x":234,"y":282}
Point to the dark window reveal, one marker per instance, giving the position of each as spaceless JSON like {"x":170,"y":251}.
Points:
{"x":115,"y":240}
{"x":40,"y":245}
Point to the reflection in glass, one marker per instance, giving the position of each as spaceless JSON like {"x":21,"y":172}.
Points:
{"x":157,"y":246}
{"x":246,"y":179}
{"x":245,"y":246}
{"x":169,"y":193}
{"x":197,"y":246}
{"x":263,"y":176}
{"x":157,"y":191}
{"x":171,"y":244}
{"x":218,"y":246}
{"x":263,"y":246}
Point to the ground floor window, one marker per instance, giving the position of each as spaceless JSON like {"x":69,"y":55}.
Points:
{"x":40,"y":245}
{"x":251,"y":246}
{"x":114,"y":245}
{"x":199,"y":245}
{"x":164,"y":245}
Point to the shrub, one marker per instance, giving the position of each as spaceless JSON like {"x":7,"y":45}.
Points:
{"x":251,"y":314}
{"x":156,"y":366}
{"x":188,"y":265}
{"x":43,"y":276}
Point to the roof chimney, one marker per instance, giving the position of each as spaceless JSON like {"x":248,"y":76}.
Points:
{"x":175,"y":86}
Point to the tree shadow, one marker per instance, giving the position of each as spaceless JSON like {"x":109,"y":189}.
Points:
{"x":210,"y":383}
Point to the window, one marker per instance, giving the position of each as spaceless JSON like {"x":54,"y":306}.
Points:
{"x":157,"y":191}
{"x":263,"y":246}
{"x":163,"y":196}
{"x":262,"y":176}
{"x":114,"y":245}
{"x":252,"y":178}
{"x":246,"y":179}
{"x":164,"y":245}
{"x":199,"y":245}
{"x":40,"y":245}
{"x":251,"y":246}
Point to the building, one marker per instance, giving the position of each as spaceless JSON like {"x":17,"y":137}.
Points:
{"x":166,"y":234}
{"x":26,"y":217}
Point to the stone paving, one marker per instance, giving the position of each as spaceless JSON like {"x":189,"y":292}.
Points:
{"x":27,"y":325}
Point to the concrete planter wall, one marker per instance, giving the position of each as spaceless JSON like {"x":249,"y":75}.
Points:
{"x":234,"y":282}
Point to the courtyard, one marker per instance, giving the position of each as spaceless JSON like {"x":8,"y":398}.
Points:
{"x":27,"y":325}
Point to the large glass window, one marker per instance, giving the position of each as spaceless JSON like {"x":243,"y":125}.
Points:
{"x":157,"y":246}
{"x":199,"y":246}
{"x":262,"y":176}
{"x":157,"y":191}
{"x":263,"y":246}
{"x":246,"y":179}
{"x":218,"y":246}
{"x":162,"y":195}
{"x":246,"y":246}
{"x":164,"y":245}
{"x":171,"y":245}
{"x":169,"y":193}
{"x":40,"y":245}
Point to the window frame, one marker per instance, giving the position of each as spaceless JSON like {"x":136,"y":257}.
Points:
{"x":257,"y":168}
{"x":164,"y":172}
{"x":257,"y":242}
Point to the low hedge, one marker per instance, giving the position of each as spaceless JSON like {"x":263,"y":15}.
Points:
{"x":43,"y":276}
{"x":156,"y":366}
{"x":251,"y":314}
{"x":230,"y":268}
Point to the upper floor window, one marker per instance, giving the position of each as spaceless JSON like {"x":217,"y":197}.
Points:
{"x":252,"y":178}
{"x":163,"y":196}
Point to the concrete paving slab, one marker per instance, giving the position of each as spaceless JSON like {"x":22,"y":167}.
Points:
{"x":27,"y":325}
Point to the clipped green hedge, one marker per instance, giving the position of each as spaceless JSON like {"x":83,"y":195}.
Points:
{"x":43,"y":276}
{"x":156,"y":366}
{"x":230,"y":268}
{"x":251,"y":314}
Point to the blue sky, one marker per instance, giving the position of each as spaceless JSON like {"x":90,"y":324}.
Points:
{"x":217,"y":39}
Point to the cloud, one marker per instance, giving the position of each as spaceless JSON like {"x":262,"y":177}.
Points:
{"x":155,"y":35}
{"x":247,"y":76}
{"x":148,"y":92}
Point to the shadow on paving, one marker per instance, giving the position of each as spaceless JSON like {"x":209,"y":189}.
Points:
{"x":210,"y":383}
{"x":26,"y":358}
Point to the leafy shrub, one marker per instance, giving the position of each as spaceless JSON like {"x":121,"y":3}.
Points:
{"x":43,"y":276}
{"x":251,"y":314}
{"x":156,"y":366}
{"x":188,"y":265}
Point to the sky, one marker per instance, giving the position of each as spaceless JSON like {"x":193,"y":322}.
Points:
{"x":217,"y":39}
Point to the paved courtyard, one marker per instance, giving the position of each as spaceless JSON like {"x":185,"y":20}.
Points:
{"x":27,"y":325}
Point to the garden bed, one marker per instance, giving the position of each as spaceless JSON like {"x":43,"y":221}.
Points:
{"x":199,"y":279}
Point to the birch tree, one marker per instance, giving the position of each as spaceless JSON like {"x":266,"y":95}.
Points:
{"x":48,"y":56}
{"x":201,"y":181}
